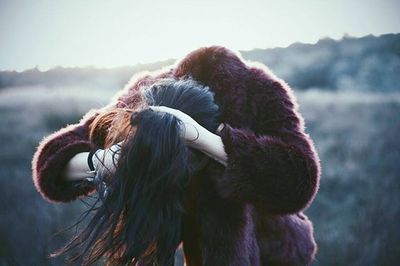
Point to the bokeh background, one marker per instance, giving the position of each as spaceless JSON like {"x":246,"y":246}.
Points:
{"x":58,"y":59}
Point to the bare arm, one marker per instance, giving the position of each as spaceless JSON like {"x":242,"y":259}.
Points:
{"x":77,"y":168}
{"x":197,"y":136}
{"x":209,"y":143}
{"x":103,"y":160}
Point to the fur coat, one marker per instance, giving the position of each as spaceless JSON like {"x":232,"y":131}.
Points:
{"x":247,"y":213}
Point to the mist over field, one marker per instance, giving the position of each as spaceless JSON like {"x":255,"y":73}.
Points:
{"x":348,"y":92}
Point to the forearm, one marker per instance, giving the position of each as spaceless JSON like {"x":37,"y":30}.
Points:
{"x":103,"y":161}
{"x":50,"y":161}
{"x":210,"y":144}
{"x":279,"y":175}
{"x":77,"y":168}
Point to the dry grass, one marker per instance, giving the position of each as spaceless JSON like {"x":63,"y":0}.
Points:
{"x":355,"y":213}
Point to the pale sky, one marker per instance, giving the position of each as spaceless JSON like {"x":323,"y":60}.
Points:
{"x":48,"y":33}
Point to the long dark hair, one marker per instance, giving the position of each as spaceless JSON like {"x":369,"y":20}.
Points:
{"x":139,"y":218}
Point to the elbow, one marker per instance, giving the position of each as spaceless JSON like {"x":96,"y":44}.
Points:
{"x":290,"y":188}
{"x":49,"y":161}
{"x":48,"y":176}
{"x":276,"y":189}
{"x":295,"y":198}
{"x":271,"y":174}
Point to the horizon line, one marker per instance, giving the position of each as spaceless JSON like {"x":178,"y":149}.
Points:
{"x":165,"y":60}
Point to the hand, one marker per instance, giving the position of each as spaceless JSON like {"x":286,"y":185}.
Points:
{"x":190,"y":130}
{"x":104,"y":163}
{"x":106,"y":160}
{"x":197,"y":136}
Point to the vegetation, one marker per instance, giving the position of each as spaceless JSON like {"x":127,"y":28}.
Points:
{"x":361,"y":64}
{"x":357,"y":209}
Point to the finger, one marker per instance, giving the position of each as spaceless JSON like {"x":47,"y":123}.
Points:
{"x":161,"y":108}
{"x":154,"y":108}
{"x":166,"y":110}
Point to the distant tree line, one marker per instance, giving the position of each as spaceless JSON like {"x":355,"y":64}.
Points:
{"x":369,"y":63}
{"x":76,"y":76}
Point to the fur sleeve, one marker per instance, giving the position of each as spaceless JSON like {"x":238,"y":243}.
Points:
{"x":285,"y":240}
{"x":272,"y":163}
{"x":54,"y":151}
{"x":270,"y":172}
{"x":51,"y":157}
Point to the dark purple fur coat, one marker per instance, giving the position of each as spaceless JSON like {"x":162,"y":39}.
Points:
{"x":248,"y":213}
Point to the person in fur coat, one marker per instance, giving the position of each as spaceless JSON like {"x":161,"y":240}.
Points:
{"x":245,"y":207}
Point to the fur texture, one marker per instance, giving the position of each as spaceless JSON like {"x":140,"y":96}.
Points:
{"x":248,"y":213}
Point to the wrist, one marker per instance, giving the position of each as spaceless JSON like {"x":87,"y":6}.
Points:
{"x":97,"y":158}
{"x":107,"y":159}
{"x":210,"y":144}
{"x":207,"y":141}
{"x":77,"y":168}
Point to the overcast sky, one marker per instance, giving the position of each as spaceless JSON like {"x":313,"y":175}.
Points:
{"x":47,"y":33}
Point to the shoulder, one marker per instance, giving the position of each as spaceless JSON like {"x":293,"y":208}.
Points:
{"x":227,"y":71}
{"x":248,"y":92}
{"x":207,"y":58}
{"x":214,"y":66}
{"x":241,"y":87}
{"x":208,"y":63}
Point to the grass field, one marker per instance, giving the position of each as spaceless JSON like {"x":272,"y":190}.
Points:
{"x":355,"y":214}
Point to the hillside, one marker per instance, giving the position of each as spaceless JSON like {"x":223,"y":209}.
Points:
{"x":363,"y":64}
